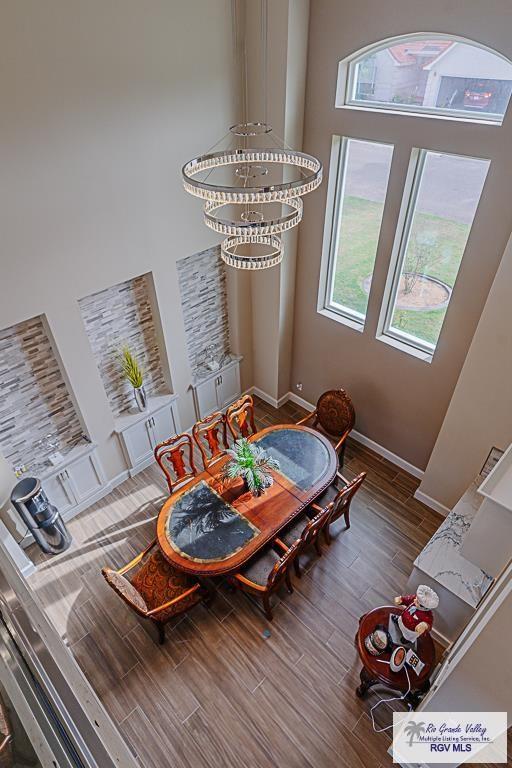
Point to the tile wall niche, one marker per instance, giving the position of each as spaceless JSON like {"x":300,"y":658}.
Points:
{"x":34,"y":400}
{"x":202,"y":280}
{"x":118,"y":316}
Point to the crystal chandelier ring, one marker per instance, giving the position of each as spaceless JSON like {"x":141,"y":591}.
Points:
{"x":250,"y":129}
{"x":272,"y":255}
{"x":252,"y":194}
{"x":253,"y":222}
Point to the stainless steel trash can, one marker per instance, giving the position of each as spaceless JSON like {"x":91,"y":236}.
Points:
{"x":40,"y":516}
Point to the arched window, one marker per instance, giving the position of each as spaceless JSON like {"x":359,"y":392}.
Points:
{"x":428,"y":74}
{"x":435,"y":77}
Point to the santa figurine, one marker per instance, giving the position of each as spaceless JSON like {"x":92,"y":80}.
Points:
{"x":417,"y":617}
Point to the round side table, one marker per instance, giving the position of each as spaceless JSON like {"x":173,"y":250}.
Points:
{"x":374,"y":672}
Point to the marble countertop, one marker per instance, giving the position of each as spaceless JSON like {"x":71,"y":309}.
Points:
{"x":441,"y":558}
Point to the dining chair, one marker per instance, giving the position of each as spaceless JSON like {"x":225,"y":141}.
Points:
{"x":334,"y":415}
{"x":240,"y":418}
{"x":340,"y":505}
{"x":176,"y":459}
{"x":155,"y":590}
{"x":265,"y":573}
{"x":306,"y":530}
{"x":210,"y":436}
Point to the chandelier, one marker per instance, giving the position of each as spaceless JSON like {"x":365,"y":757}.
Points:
{"x":253,"y":194}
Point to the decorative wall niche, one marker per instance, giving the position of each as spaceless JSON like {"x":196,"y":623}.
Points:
{"x":34,"y":400}
{"x":123,"y":315}
{"x":202,"y":280}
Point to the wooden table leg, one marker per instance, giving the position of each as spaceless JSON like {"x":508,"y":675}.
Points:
{"x":366,"y":682}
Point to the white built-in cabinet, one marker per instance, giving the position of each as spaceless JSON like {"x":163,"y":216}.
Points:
{"x":76,"y":482}
{"x":218,"y":389}
{"x":141,"y":432}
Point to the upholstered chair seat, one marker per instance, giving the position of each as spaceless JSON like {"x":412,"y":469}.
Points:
{"x":154,"y":590}
{"x":259,"y":568}
{"x":264,"y":575}
{"x":295,"y":530}
{"x":157,"y":582}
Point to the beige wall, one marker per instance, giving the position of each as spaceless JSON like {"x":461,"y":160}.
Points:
{"x":400,"y":400}
{"x":272,"y":291}
{"x":101,"y":102}
{"x":480,"y":412}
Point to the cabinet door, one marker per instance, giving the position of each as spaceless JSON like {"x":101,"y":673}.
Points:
{"x":229,"y":387}
{"x":206,"y":394}
{"x":84,"y":477}
{"x":60,"y":491}
{"x":139,"y":442}
{"x":163,"y":426}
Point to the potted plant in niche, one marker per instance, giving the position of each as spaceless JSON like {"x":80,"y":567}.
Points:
{"x":134,"y":373}
{"x":252,"y":464}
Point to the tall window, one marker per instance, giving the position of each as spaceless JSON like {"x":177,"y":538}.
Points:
{"x":360,"y":184}
{"x":429,"y":74}
{"x":439,"y":208}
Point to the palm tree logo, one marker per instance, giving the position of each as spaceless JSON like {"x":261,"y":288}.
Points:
{"x":414,"y":730}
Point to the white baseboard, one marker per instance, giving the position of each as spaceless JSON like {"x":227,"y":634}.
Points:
{"x":363,"y":440}
{"x":300,"y":401}
{"x":267,"y":398}
{"x":432,"y":503}
{"x":386,"y":454}
{"x":368,"y":442}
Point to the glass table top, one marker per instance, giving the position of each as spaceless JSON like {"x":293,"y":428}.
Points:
{"x":203,"y":527}
{"x":303,"y":457}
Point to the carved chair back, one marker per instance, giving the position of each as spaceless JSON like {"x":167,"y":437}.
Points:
{"x":210,"y":435}
{"x":310,"y":533}
{"x":335,"y":412}
{"x":341,"y":503}
{"x":176,"y":459}
{"x":240,"y":417}
{"x":280,"y":570}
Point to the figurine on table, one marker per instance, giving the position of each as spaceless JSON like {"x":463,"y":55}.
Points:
{"x":417,"y":617}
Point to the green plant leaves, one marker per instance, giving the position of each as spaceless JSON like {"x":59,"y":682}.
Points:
{"x":251,"y":463}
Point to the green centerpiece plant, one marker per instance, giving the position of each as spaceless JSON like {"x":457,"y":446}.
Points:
{"x":252,"y":464}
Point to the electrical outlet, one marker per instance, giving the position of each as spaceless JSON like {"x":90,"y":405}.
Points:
{"x":298,"y":386}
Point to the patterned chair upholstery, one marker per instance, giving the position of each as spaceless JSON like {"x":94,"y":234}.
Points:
{"x":154,"y":590}
{"x":175,"y":457}
{"x":240,"y":418}
{"x":334,"y":415}
{"x":210,"y":436}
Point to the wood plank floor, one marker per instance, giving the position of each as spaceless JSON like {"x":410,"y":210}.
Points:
{"x":229,"y":689}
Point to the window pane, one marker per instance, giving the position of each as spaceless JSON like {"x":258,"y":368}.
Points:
{"x":435,"y":75}
{"x":363,"y":181}
{"x":436,"y":232}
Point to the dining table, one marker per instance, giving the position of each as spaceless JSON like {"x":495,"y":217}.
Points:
{"x":212,"y":526}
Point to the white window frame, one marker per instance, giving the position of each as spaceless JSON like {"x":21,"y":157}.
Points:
{"x":347,"y":78}
{"x":336,"y":188}
{"x":405,"y":341}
